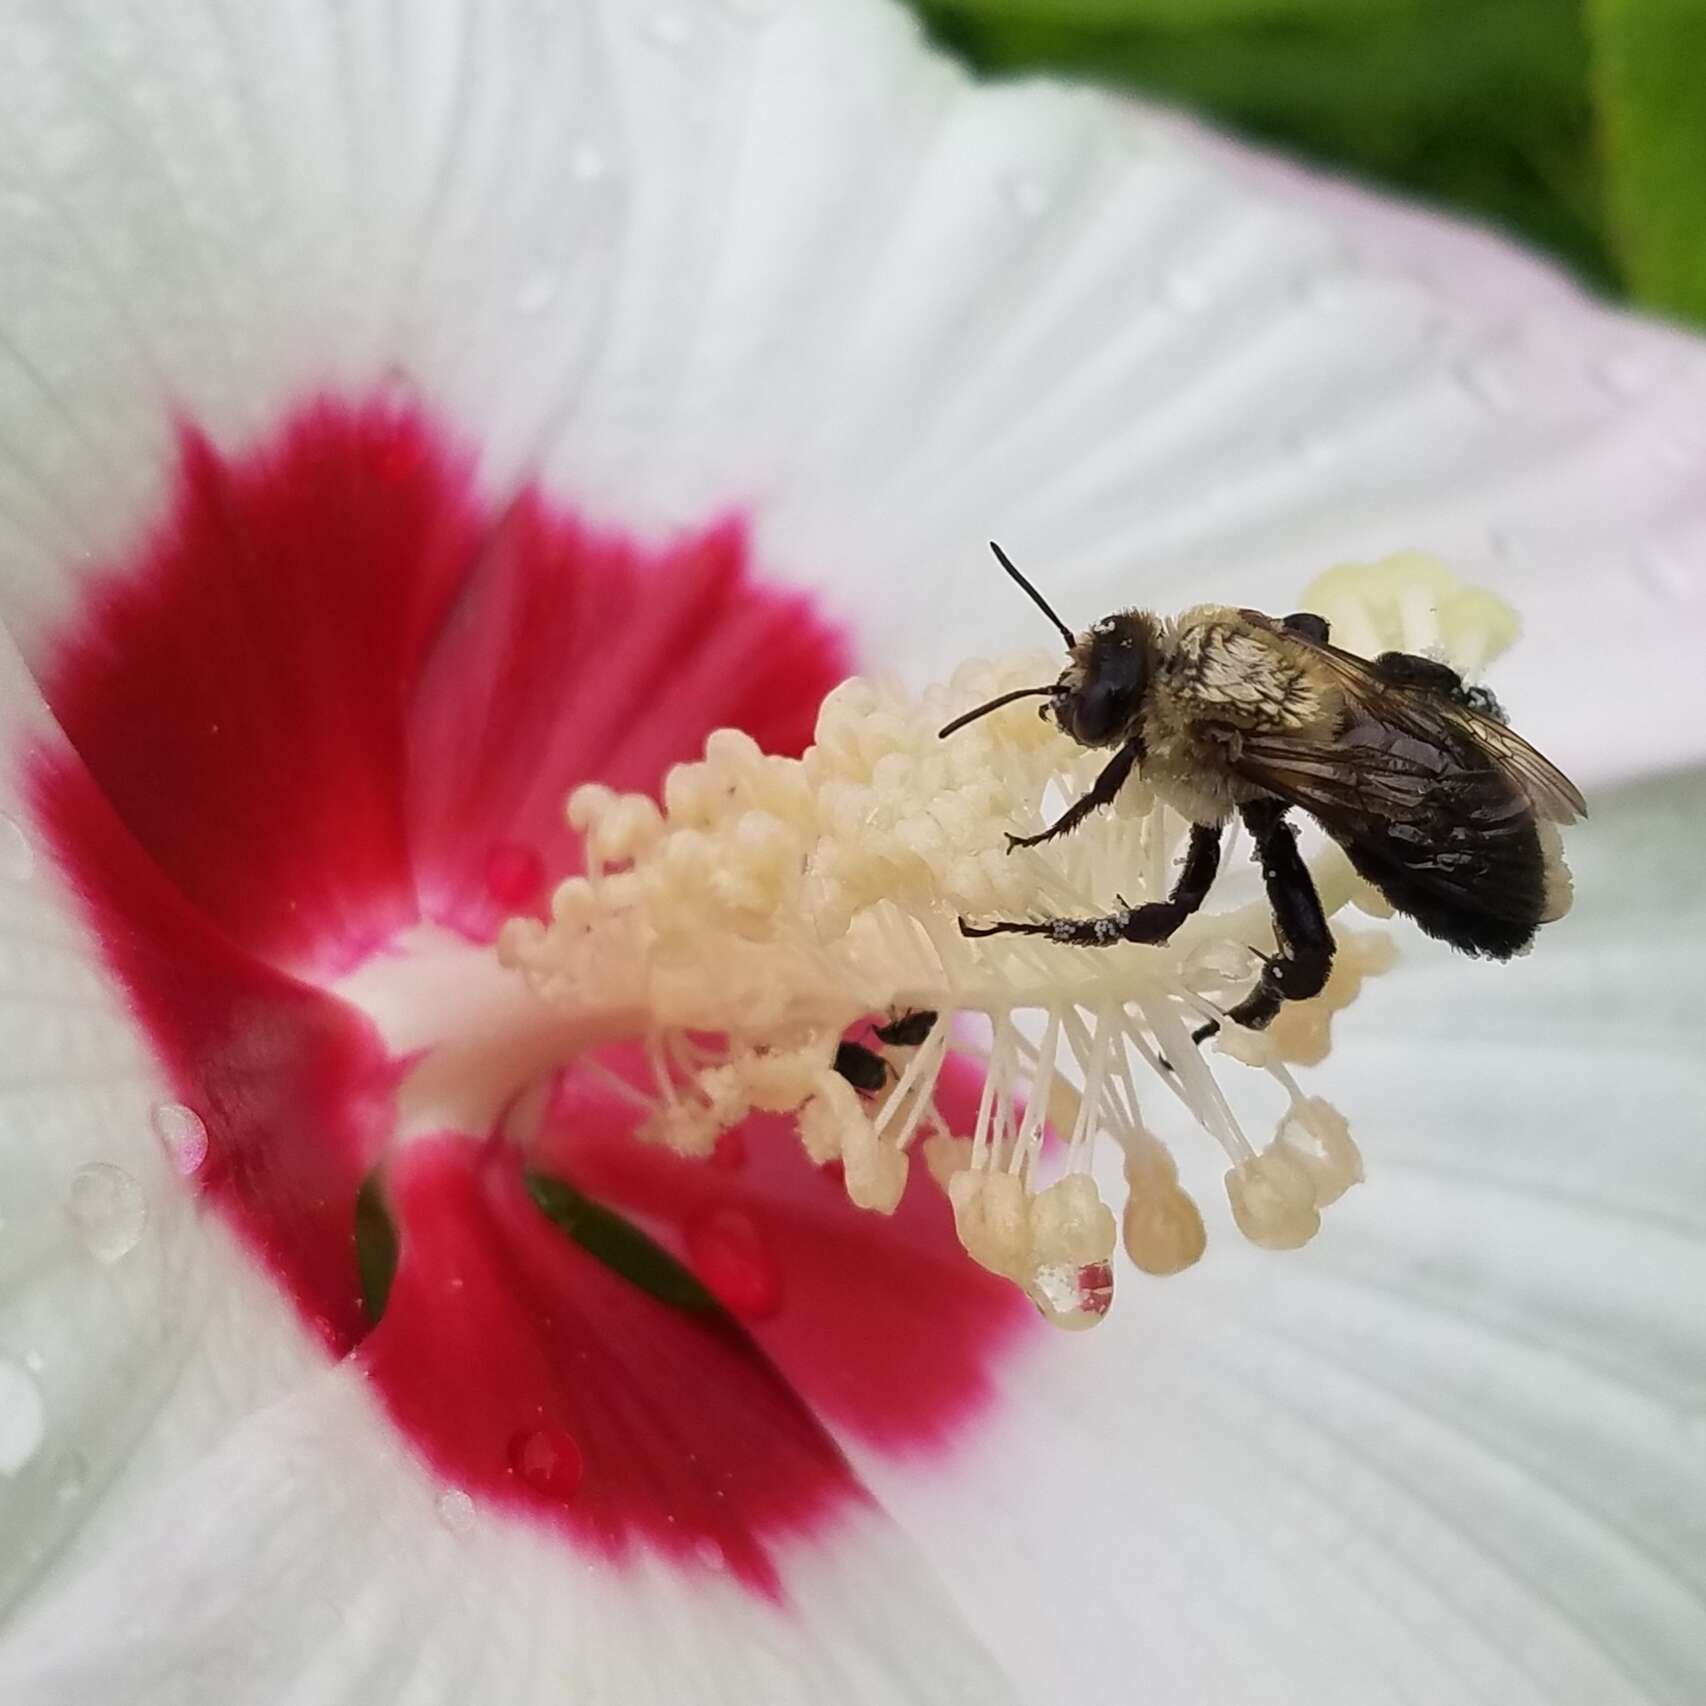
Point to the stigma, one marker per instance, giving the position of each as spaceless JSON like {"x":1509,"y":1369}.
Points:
{"x":769,"y":912}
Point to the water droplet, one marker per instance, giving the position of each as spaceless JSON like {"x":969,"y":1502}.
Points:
{"x":1488,"y":383}
{"x":1027,"y":193}
{"x":588,"y":163}
{"x":23,"y":1417}
{"x":1183,"y":291}
{"x":669,"y":27}
{"x":456,"y":1511}
{"x":710,"y":1553}
{"x":537,"y":291}
{"x":108,"y":1209}
{"x":1667,"y":576}
{"x":734,"y":1260}
{"x":182,"y":1135}
{"x":17,"y":857}
{"x":73,"y":1478}
{"x":1073,"y":1297}
{"x":514,"y":874}
{"x":1627,"y":372}
{"x":549,"y":1461}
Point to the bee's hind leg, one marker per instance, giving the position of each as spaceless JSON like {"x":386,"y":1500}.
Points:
{"x":1103,"y":792}
{"x":1305,"y":956}
{"x":1151,"y":923}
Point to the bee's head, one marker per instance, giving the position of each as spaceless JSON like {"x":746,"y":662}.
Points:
{"x":1098,"y":699}
{"x":1099,"y":696}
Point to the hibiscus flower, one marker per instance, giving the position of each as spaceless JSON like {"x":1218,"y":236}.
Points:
{"x":412,"y":414}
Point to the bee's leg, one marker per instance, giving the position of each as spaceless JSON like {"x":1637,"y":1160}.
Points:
{"x":1305,"y":954}
{"x":1309,"y":625}
{"x":1153,"y":922}
{"x":1405,"y":669}
{"x":1102,"y":793}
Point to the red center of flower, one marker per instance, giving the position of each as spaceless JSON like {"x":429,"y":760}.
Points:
{"x":333,"y":699}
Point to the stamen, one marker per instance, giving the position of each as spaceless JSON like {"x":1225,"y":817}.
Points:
{"x":775,"y":906}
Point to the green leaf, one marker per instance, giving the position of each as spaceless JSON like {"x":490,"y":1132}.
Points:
{"x":375,"y":1248}
{"x":619,"y":1245}
{"x":1649,"y":66}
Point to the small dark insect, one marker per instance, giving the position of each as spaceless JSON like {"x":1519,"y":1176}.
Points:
{"x":907,"y":1030}
{"x":862,"y":1067}
{"x":865,"y":1068}
{"x":1414,"y":774}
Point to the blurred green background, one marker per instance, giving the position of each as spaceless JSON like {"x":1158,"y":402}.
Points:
{"x":1578,"y":125}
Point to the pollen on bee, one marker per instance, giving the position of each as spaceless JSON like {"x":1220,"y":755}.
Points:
{"x":769,"y":910}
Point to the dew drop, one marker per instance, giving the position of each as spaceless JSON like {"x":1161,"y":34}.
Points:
{"x":73,"y":1478}
{"x":23,"y":1417}
{"x":549,"y":1461}
{"x":108,"y":1210}
{"x":588,"y":163}
{"x":514,"y":874}
{"x":1666,"y":576}
{"x":1626,"y":372}
{"x":17,"y":858}
{"x":182,"y":1135}
{"x":734,"y":1260}
{"x":1180,"y":290}
{"x":669,"y":27}
{"x":1073,"y":1297}
{"x":537,"y":291}
{"x":456,"y":1511}
{"x":710,"y":1553}
{"x":1027,"y":194}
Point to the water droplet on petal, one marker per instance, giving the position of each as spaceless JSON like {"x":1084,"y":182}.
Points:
{"x":734,"y":1260}
{"x":108,"y":1210}
{"x":1666,"y":576}
{"x":1627,"y":372}
{"x":669,"y":27}
{"x":1182,"y":291}
{"x":514,"y":874}
{"x":537,"y":291}
{"x":1027,"y":193}
{"x":17,"y":858}
{"x":1073,"y":1297}
{"x":73,"y":1478}
{"x":710,"y":1553}
{"x":23,"y":1417}
{"x":182,"y":1135}
{"x":456,"y":1510}
{"x":549,"y":1460}
{"x":587,"y":163}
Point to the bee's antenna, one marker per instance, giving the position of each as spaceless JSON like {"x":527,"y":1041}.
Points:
{"x":1035,"y":597}
{"x":993,"y":705}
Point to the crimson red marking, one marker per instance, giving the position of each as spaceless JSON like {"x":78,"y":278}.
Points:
{"x":330,"y":697}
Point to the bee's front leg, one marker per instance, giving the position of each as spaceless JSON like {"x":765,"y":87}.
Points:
{"x":1153,"y":922}
{"x":1103,"y":792}
{"x":1305,"y":956}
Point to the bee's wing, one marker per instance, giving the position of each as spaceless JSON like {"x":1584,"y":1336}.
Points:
{"x":1440,"y":827}
{"x":1549,"y":791}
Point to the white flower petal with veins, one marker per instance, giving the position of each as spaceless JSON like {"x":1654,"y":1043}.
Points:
{"x":793,"y":263}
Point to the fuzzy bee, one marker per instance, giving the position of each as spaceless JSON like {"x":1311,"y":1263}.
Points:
{"x":1415,"y":775}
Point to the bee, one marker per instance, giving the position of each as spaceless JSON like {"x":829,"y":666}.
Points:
{"x":1435,"y":801}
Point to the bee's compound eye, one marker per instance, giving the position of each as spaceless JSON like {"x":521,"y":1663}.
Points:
{"x":1094,"y":713}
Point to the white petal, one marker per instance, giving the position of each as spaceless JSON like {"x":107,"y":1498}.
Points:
{"x":1456,"y":1448}
{"x":784,"y":259}
{"x":305,"y":1557}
